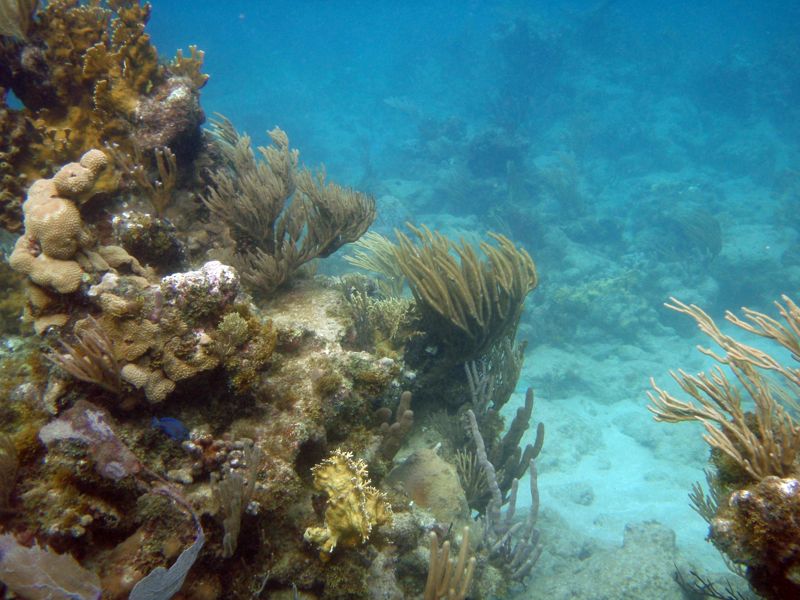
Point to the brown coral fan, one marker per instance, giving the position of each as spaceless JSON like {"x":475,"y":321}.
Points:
{"x":279,"y":215}
{"x":15,"y":17}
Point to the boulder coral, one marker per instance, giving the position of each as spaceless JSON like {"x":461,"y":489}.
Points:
{"x":54,"y":230}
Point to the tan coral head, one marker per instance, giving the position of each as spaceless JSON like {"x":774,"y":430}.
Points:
{"x":75,"y":179}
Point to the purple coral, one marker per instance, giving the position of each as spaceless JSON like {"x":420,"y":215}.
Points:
{"x":91,"y":424}
{"x":40,"y":574}
{"x":215,"y":284}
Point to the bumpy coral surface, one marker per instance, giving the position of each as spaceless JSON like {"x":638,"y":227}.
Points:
{"x":354,"y":507}
{"x":760,"y":528}
{"x":53,"y":226}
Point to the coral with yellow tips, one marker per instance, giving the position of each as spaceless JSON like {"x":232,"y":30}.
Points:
{"x":354,"y":506}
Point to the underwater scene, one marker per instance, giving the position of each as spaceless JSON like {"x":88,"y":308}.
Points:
{"x":326,"y":299}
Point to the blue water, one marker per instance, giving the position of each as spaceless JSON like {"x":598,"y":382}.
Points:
{"x":322,"y":70}
{"x":637,"y":149}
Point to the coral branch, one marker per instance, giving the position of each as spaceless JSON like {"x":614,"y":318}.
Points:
{"x":448,"y":579}
{"x":767,"y":445}
{"x":280,"y":216}
{"x":471,"y":304}
{"x":92,"y":358}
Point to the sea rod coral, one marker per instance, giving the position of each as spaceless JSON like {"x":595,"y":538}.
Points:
{"x":754,"y":504}
{"x":279,"y":215}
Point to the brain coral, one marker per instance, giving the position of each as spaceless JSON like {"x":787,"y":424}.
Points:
{"x":53,"y":226}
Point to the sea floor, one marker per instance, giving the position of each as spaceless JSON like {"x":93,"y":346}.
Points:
{"x":605,"y":462}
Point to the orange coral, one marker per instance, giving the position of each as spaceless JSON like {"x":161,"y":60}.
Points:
{"x":54,"y":228}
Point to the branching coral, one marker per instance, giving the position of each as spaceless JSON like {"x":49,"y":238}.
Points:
{"x":449,"y":579}
{"x":469,"y":304}
{"x":375,"y":252}
{"x":493,"y":379}
{"x":769,"y":443}
{"x":354,"y":506}
{"x":395,"y":432}
{"x":754,"y":501}
{"x":379,"y":321}
{"x":87,"y":74}
{"x":158,"y":191}
{"x":281,"y":216}
{"x":513,"y":546}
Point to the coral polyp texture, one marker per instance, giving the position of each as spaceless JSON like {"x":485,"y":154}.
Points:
{"x":54,"y":231}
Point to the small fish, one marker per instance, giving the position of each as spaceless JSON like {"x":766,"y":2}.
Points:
{"x":172,"y":427}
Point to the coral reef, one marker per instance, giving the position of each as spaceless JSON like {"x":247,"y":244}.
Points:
{"x":162,"y":424}
{"x":753,"y":498}
{"x":87,"y":75}
{"x":57,"y":251}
